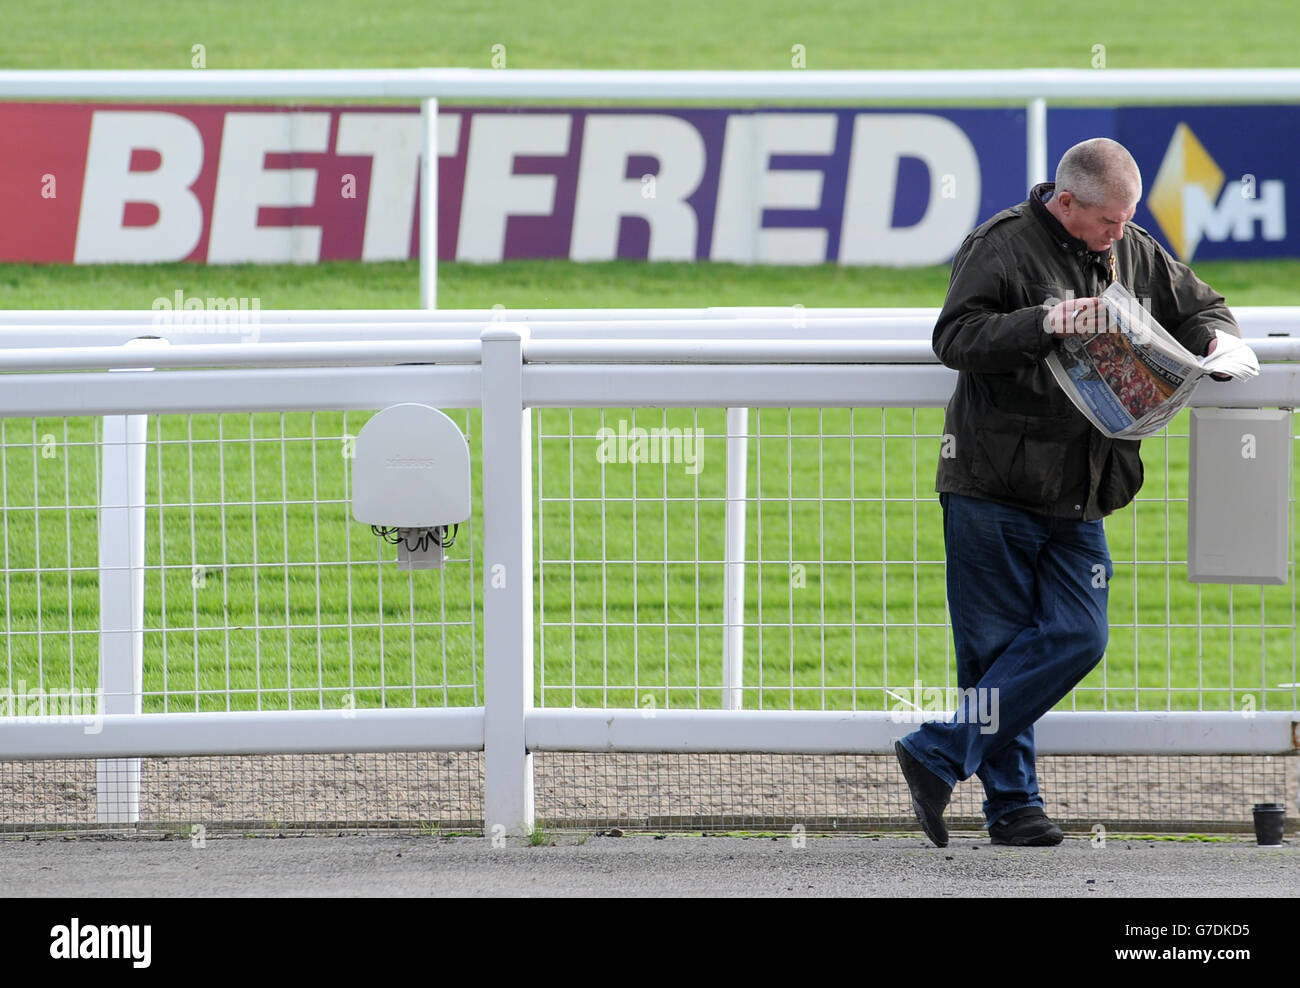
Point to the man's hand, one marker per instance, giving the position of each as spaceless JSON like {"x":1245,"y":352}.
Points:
{"x":1216,"y":377}
{"x":1078,"y":316}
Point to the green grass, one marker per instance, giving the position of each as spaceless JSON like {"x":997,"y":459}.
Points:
{"x":544,"y":284}
{"x":670,"y":34}
{"x":265,"y":492}
{"x":541,"y":838}
{"x":1181,"y":838}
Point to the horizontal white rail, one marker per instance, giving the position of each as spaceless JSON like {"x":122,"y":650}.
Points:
{"x":903,"y":327}
{"x":23,"y":330}
{"x":614,"y":729}
{"x":243,"y":733}
{"x":265,"y":317}
{"x":700,"y":386}
{"x":831,"y":386}
{"x":709,"y":351}
{"x":796,"y":351}
{"x":873,"y":732}
{"x":697,"y":346}
{"x":1112,"y":85}
{"x":308,"y":354}
{"x":184,"y":392}
{"x":572,"y":385}
{"x":624,"y":324}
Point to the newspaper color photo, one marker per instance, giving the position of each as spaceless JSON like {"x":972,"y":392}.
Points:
{"x":1131,"y":379}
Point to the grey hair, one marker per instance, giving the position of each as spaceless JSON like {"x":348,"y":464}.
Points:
{"x":1097,"y":170}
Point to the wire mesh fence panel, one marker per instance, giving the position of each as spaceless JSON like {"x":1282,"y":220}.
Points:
{"x":441,"y":792}
{"x":1177,"y":645}
{"x":262,"y":593}
{"x":629,"y":543}
{"x":795,"y":794}
{"x":260,"y":590}
{"x":845,"y":600}
{"x":49,"y":470}
{"x":431,"y":792}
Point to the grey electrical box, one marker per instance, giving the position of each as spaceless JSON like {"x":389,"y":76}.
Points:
{"x":1238,"y":511}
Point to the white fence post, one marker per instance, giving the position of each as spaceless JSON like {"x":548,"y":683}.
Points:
{"x":429,"y":207}
{"x":733,"y":605}
{"x":507,"y":585}
{"x":1036,"y":141}
{"x":121,"y":604}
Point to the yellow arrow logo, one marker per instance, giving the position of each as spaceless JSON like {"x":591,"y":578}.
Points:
{"x":1186,"y":162}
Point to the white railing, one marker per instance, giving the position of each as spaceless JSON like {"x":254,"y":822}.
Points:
{"x":89,"y":327}
{"x":507,"y":370}
{"x":965,"y":85}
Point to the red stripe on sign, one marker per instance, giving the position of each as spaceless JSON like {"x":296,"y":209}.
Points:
{"x":42,"y":169}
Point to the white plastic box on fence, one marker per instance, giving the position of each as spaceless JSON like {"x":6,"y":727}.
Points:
{"x":1238,"y":511}
{"x":410,"y":472}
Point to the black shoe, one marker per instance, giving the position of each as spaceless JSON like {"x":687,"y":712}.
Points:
{"x":1028,"y":827}
{"x":930,"y":795}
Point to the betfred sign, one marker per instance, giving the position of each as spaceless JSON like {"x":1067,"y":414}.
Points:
{"x":228,"y":184}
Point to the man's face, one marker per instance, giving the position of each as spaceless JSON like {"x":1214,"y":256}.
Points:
{"x":1097,"y":225}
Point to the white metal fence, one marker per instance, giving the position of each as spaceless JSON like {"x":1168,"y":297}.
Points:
{"x":181,"y":538}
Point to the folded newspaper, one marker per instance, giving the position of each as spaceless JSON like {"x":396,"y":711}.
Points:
{"x":1134,"y":378}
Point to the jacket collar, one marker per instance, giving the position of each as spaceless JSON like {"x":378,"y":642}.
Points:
{"x":1038,"y":197}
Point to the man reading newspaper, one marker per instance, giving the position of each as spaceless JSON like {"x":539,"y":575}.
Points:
{"x":1025,"y":478}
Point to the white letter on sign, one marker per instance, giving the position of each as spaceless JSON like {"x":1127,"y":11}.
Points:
{"x":880,"y":141}
{"x":606,"y":194}
{"x":392,"y":141}
{"x":245,"y":185}
{"x":493,"y":193}
{"x":748,"y":186}
{"x":110,"y":185}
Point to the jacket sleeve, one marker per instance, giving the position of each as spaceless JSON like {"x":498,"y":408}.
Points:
{"x":975,"y":331}
{"x":1186,"y":306}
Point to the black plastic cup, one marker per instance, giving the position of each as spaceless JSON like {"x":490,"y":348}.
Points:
{"x":1270,"y":824}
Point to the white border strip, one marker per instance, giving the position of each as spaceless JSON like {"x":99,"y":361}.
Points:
{"x":1112,"y":85}
{"x":620,"y":730}
{"x":243,"y":733}
{"x":874,"y":732}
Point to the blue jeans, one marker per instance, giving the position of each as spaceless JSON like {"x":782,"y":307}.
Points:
{"x":1027,"y":594}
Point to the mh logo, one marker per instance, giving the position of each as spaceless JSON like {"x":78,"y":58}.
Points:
{"x":1190,"y":201}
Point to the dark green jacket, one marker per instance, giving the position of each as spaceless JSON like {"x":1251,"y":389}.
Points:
{"x":1011,"y":433}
